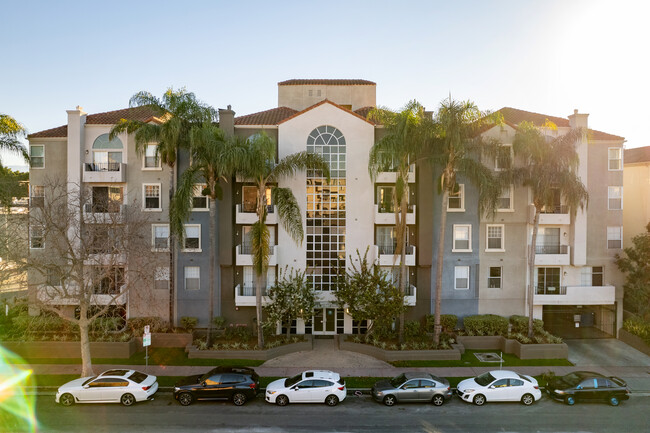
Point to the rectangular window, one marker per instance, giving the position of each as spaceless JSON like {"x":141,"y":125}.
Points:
{"x":615,"y":159}
{"x":461,"y":277}
{"x":151,"y":159}
{"x":462,"y":237}
{"x":456,"y":199}
{"x":161,"y":278}
{"x":495,"y":235}
{"x":494,"y":278}
{"x":503,"y":160}
{"x":386,"y":239}
{"x":105,"y":199}
{"x":591,"y":276}
{"x":385,"y":199}
{"x":38,"y":196}
{"x":548,"y":241}
{"x":192,"y":278}
{"x":152,"y":196}
{"x":615,"y":197}
{"x":37,"y":156}
{"x":36,"y":237}
{"x":107,"y":280}
{"x":199,"y":201}
{"x":192,"y":238}
{"x":249,"y":199}
{"x":505,"y":199}
{"x":160,"y":237}
{"x":614,"y":237}
{"x":547,"y":281}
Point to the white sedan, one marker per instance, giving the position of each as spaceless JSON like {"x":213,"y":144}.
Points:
{"x":499,"y":385}
{"x":112,"y":386}
{"x":313,"y":386}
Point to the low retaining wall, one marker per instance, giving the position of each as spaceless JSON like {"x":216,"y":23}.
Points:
{"x":166,"y":340}
{"x":262,"y":355}
{"x":70,"y":349}
{"x":632,"y":340}
{"x":521,"y":351}
{"x":400,"y":355}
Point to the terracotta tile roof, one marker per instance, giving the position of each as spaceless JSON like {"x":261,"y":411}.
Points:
{"x":143,"y":114}
{"x":268,"y":117}
{"x":343,"y":82}
{"x":326,"y":101}
{"x":639,"y":154}
{"x":364,"y":111}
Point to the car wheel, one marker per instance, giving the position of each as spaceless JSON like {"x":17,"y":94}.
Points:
{"x":331,"y":400}
{"x":438,"y":400}
{"x":282,"y":400}
{"x":66,"y":399}
{"x":390,"y":400}
{"x":185,"y":398}
{"x":528,"y":399}
{"x":570,"y":401}
{"x":479,"y":399}
{"x":127,"y":399}
{"x":613,"y":400}
{"x":239,"y":399}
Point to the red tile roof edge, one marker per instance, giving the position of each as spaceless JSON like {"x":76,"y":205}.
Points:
{"x":326,"y":101}
{"x":329,"y":82}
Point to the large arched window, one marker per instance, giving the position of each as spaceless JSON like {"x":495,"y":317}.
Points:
{"x":107,"y":154}
{"x":329,"y":142}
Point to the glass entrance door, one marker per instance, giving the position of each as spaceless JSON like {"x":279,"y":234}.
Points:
{"x":324,"y":321}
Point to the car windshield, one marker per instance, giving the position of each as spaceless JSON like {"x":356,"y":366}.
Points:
{"x":138,"y":377}
{"x":207,"y":375}
{"x":291,"y":381}
{"x":572,"y":379}
{"x":485,"y":379}
{"x":398,"y":380}
{"x":89,"y":380}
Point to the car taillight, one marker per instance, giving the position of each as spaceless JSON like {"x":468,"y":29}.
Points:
{"x":449,"y":388}
{"x":341,"y":388}
{"x":253,"y":386}
{"x":536,"y":387}
{"x":146,"y":388}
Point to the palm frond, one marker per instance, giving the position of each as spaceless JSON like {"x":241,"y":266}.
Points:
{"x":288,"y":212}
{"x":181,"y":203}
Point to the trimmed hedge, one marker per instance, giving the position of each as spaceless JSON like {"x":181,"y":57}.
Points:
{"x":486,"y":324}
{"x":638,"y":327}
{"x":447,"y":321}
{"x":520,"y":325}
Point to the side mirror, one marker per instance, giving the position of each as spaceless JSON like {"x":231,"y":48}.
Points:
{"x":492,"y":386}
{"x":86,"y":386}
{"x":203,"y":384}
{"x":294,"y":388}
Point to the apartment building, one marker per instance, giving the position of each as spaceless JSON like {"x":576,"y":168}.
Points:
{"x":636,"y":175}
{"x":484,"y":269}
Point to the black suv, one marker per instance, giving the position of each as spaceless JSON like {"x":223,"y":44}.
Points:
{"x":237,"y":384}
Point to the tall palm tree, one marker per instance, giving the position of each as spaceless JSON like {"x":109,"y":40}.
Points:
{"x":213,"y":158}
{"x":549,"y":165}
{"x":402,"y":146}
{"x":257,"y":165}
{"x":173,"y":117}
{"x":456,"y":149}
{"x":10,"y":130}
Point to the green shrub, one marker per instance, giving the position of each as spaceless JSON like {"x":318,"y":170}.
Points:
{"x":520,"y":325}
{"x":156,"y":324}
{"x":107,"y":324}
{"x":189,"y":323}
{"x":447,"y":321}
{"x":638,"y":327}
{"x":219,"y":322}
{"x":486,"y":324}
{"x":412,"y":330}
{"x":238,"y":332}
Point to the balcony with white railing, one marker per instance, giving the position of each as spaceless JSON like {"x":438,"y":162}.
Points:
{"x":104,"y":214}
{"x":552,"y":255}
{"x":244,"y":257}
{"x":410,"y":295}
{"x":105,"y":172}
{"x":386,"y":255}
{"x":574,"y":295}
{"x":390,"y":176}
{"x":386,"y":216}
{"x":249,"y":216}
{"x":555,"y":215}
{"x":245,"y":295}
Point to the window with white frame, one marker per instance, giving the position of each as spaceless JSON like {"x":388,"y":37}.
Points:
{"x":462,"y":237}
{"x":505,"y":202}
{"x":494,"y":277}
{"x":461,"y":278}
{"x":591,"y":276}
{"x":456,"y":199}
{"x":161,"y":278}
{"x":614,"y":159}
{"x":192,"y":241}
{"x":151,"y":192}
{"x":385,"y":199}
{"x":38,"y":196}
{"x":160,"y":237}
{"x":192,"y":278}
{"x":503,"y":159}
{"x":615,"y":237}
{"x":199,"y":201}
{"x":37,"y":156}
{"x":615,"y":197}
{"x":151,"y":157}
{"x":495,"y":235}
{"x":36,"y":237}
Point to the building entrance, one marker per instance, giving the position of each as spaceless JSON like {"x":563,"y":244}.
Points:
{"x":325,"y":321}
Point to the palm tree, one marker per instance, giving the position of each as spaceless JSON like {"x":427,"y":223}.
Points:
{"x":10,"y":130}
{"x":173,"y":117}
{"x":257,"y":165}
{"x":456,"y":150}
{"x":401,"y":147}
{"x":549,"y":167}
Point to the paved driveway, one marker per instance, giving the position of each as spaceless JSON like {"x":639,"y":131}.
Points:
{"x":605,"y":353}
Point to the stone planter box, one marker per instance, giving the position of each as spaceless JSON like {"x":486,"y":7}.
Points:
{"x":632,"y":340}
{"x":263,"y":355}
{"x":400,"y":355}
{"x":70,"y":349}
{"x":521,"y":351}
{"x":166,"y":340}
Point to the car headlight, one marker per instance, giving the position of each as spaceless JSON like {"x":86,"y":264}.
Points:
{"x":379,"y":393}
{"x":558,"y":391}
{"x":176,"y":389}
{"x":270,"y":392}
{"x":467,"y":391}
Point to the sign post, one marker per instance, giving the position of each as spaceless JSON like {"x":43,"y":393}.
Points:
{"x":146,"y":342}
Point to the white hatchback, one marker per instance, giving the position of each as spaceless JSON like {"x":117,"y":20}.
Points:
{"x":112,"y":386}
{"x":312,"y":386}
{"x":499,"y":385}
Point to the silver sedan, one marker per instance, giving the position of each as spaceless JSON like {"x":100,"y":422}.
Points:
{"x":412,"y":387}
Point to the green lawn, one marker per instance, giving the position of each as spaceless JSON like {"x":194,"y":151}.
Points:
{"x":469,"y":360}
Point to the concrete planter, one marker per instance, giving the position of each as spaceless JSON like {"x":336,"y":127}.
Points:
{"x":635,"y":341}
{"x":521,"y":351}
{"x":166,"y":340}
{"x":263,"y":355}
{"x":400,"y":355}
{"x":70,"y":349}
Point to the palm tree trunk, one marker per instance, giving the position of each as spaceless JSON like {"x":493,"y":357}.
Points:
{"x":441,"y":248}
{"x":172,"y":246}
{"x":402,"y":264}
{"x":531,"y":273}
{"x":260,"y":277}
{"x":213,"y":265}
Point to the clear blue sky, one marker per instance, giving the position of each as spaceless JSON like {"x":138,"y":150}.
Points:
{"x":543,"y":56}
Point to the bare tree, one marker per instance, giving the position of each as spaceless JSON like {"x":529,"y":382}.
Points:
{"x":86,"y":257}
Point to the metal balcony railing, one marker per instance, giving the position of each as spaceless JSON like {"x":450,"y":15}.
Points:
{"x":102,"y":166}
{"x":390,"y":249}
{"x":251,"y":291}
{"x":550,"y":290}
{"x":551,"y":249}
{"x":557,"y":209}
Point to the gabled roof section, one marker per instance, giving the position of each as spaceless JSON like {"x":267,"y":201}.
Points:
{"x":334,"y":82}
{"x":268,"y":117}
{"x":364,"y":111}
{"x":143,"y":114}
{"x":327,"y":101}
{"x":634,"y":156}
